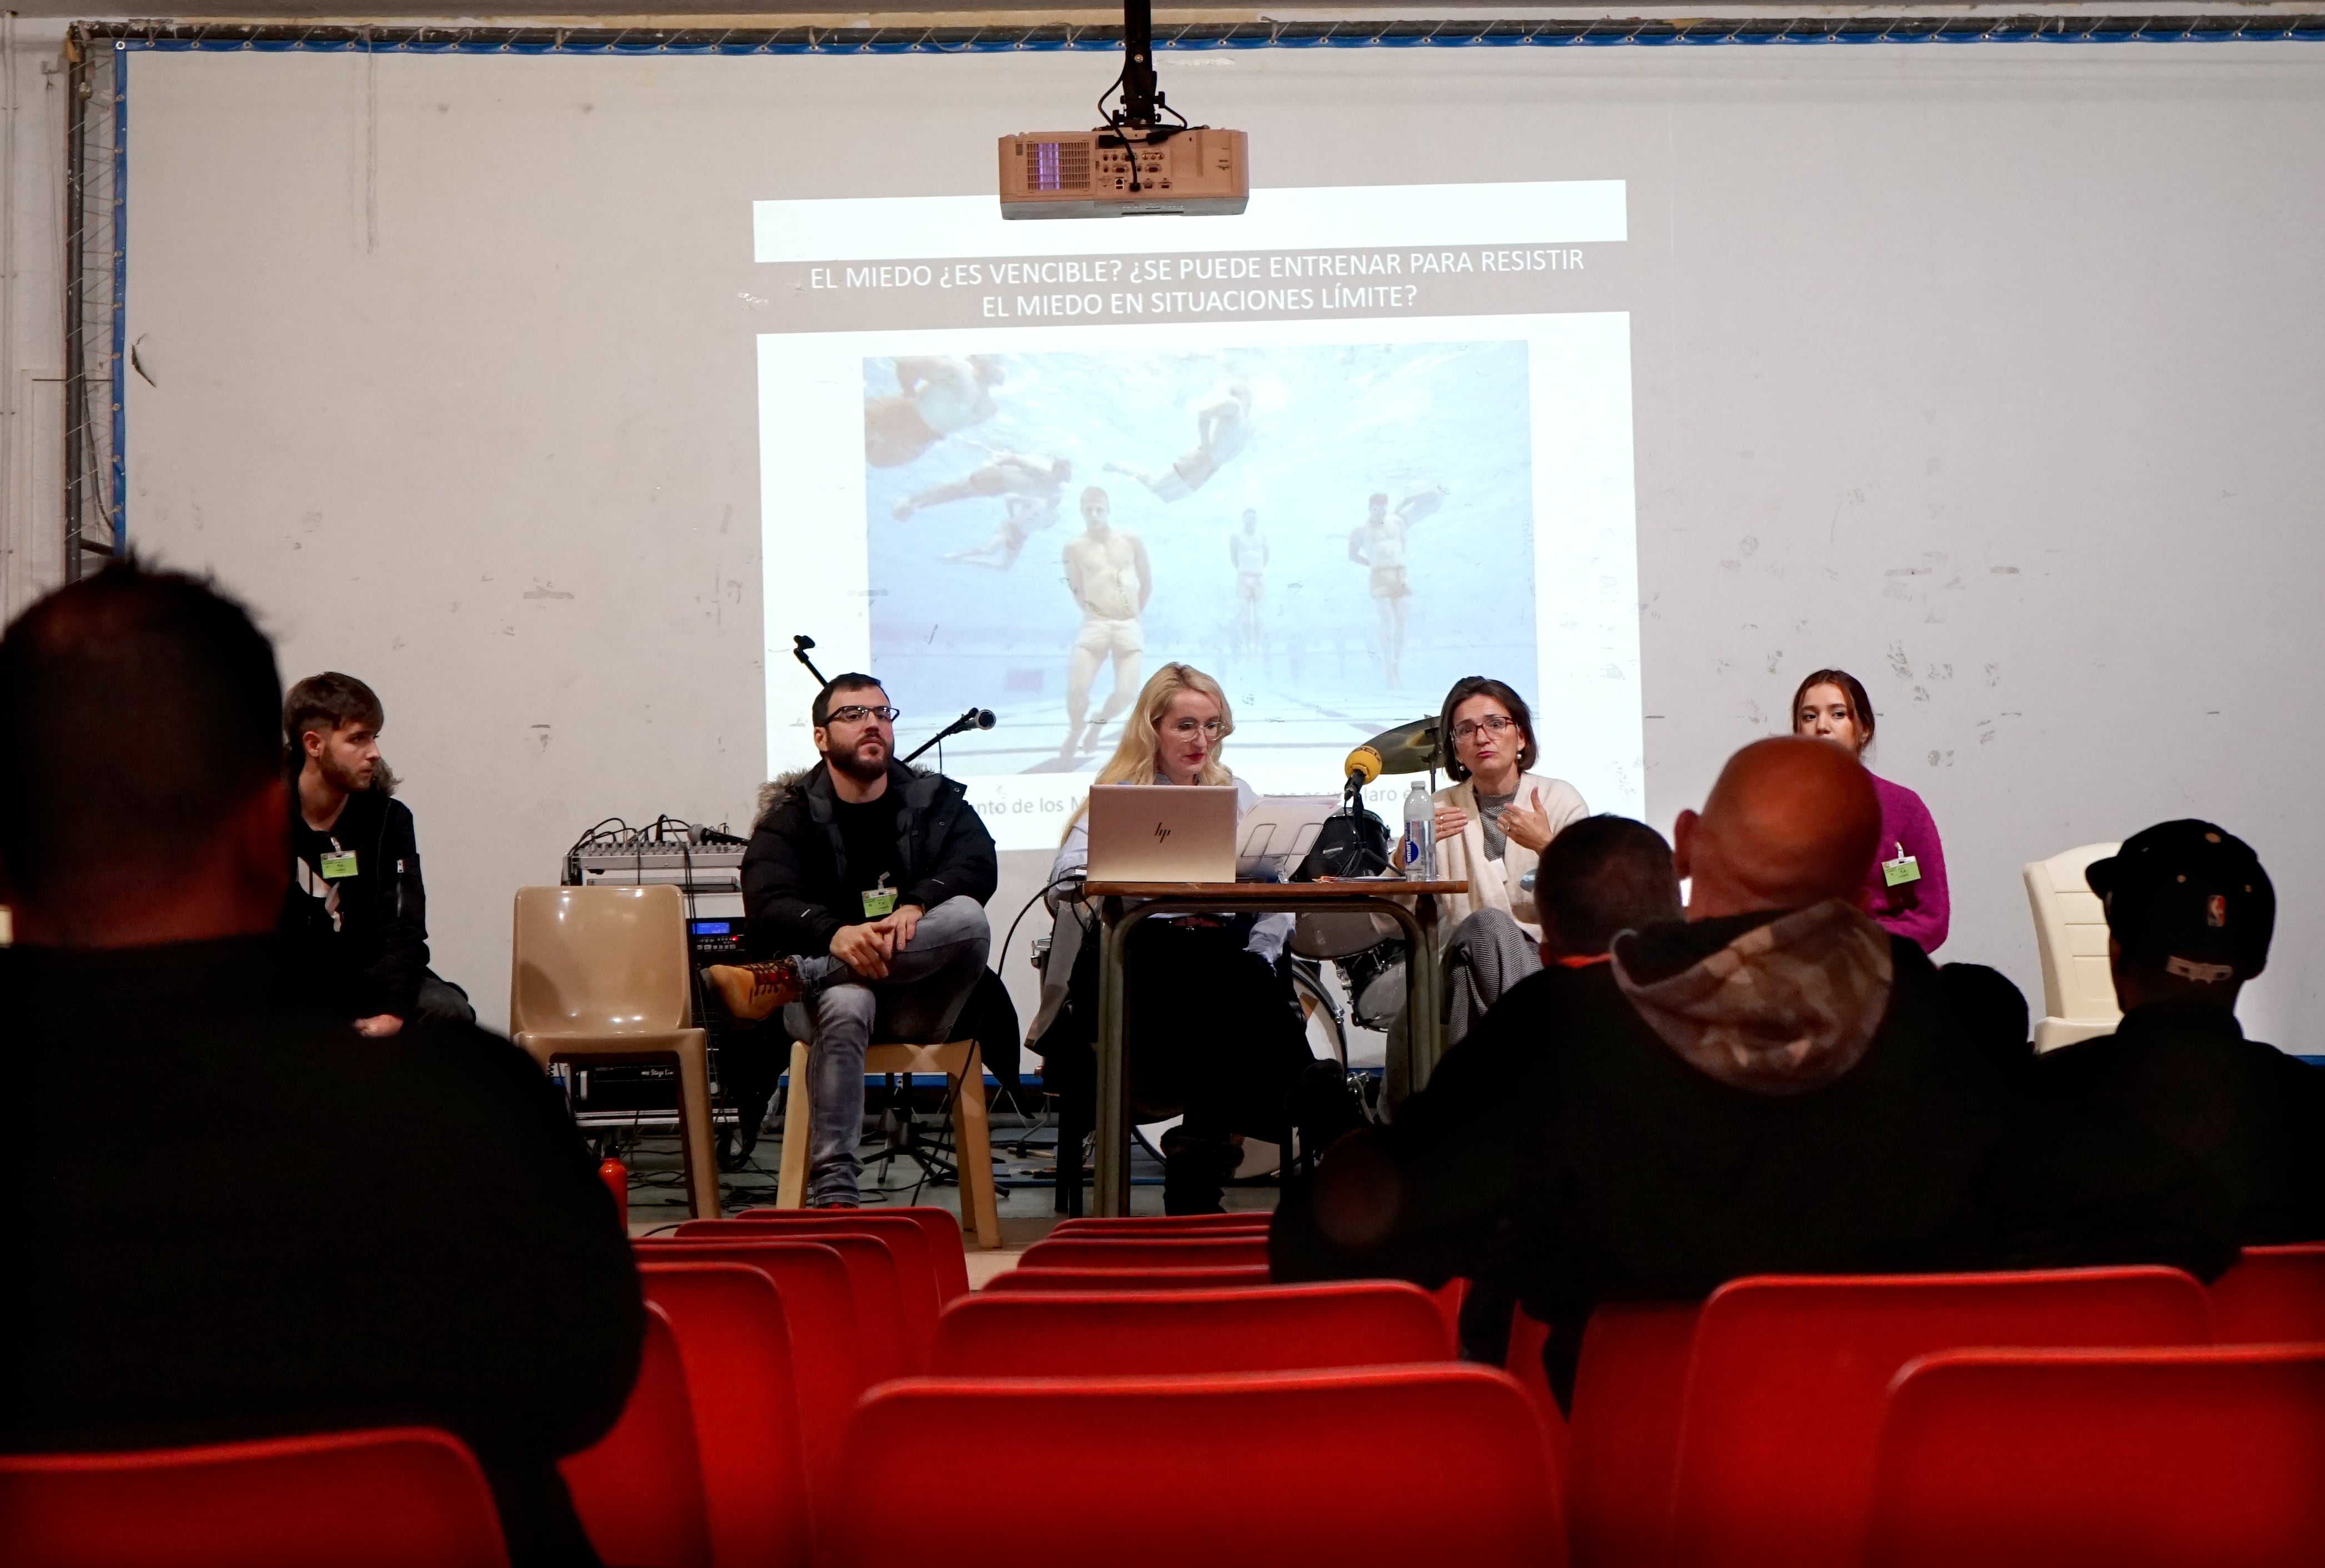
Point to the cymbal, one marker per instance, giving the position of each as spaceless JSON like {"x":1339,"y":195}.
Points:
{"x":1411,"y":748}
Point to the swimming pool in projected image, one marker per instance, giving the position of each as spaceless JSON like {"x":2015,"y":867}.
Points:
{"x":1443,"y":428}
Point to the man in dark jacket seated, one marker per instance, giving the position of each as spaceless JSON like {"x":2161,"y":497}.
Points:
{"x":1774,"y":1084}
{"x":356,"y":901}
{"x":2189,"y":915}
{"x":236,"y":1218}
{"x":867,"y":880}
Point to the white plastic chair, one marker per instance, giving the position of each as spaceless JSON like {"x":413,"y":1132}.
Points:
{"x":2070,"y":932}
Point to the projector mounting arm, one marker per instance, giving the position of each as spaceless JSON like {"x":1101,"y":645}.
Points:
{"x":1141,"y":94}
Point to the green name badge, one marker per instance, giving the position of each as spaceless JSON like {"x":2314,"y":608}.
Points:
{"x":336,"y":866}
{"x":879,"y":902}
{"x":1904,"y":869}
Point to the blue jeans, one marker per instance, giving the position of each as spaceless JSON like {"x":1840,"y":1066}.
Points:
{"x":927,"y":980}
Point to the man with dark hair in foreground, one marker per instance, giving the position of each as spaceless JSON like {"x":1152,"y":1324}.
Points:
{"x":356,"y":900}
{"x":1773,"y":1085}
{"x":238,"y":1218}
{"x":1598,"y":878}
{"x":2189,"y":916}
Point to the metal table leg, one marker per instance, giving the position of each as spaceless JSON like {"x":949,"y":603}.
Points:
{"x":1112,"y":1188}
{"x":1425,"y":994}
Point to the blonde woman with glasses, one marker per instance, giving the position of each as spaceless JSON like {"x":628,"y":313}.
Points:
{"x":1213,"y":1029}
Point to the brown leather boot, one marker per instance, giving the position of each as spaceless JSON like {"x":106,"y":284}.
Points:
{"x":754,"y":991}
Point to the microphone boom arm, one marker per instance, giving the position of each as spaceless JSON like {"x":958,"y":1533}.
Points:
{"x":976,"y":718}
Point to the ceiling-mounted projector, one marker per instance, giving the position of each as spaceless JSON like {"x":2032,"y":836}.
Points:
{"x":1133,"y":163}
{"x":1118,"y":174}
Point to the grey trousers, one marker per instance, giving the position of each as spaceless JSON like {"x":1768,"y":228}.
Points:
{"x":1484,"y":956}
{"x":927,"y":981}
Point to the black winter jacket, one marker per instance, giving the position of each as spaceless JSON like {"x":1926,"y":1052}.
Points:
{"x":146,"y":1309}
{"x":797,"y":890}
{"x":371,"y":948}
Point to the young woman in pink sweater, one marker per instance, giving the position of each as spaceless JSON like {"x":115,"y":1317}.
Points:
{"x":1905,"y":886}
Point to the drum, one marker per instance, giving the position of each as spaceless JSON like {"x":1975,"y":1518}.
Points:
{"x":1341,"y":932}
{"x":1374,"y":979}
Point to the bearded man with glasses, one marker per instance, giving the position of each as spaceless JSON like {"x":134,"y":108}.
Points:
{"x":864,"y":885}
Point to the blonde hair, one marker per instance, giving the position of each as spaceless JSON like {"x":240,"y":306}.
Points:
{"x":1136,"y":753}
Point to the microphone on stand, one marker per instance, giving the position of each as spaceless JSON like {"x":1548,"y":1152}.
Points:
{"x":974,"y":719}
{"x":799,"y":645}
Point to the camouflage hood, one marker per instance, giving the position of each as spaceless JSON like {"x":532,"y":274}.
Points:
{"x":1786,"y":1007}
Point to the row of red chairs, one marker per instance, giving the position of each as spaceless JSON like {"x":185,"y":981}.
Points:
{"x":1755,"y":1428}
{"x":731,"y":1451}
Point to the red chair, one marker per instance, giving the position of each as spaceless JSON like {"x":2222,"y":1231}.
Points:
{"x":737,"y":1349}
{"x":1233,"y":1251}
{"x":1242,"y":1471}
{"x":920,"y":1296}
{"x":1623,"y":1438}
{"x":639,"y":1489}
{"x":819,"y":1315}
{"x":1787,"y":1376}
{"x":2271,"y":1295}
{"x":355,"y":1499}
{"x":1087,"y":1279}
{"x":940,"y":1228}
{"x":883,"y":1349}
{"x":2135,"y":1458}
{"x":1164,"y":1225}
{"x":1522,"y":1361}
{"x":1281,"y":1328}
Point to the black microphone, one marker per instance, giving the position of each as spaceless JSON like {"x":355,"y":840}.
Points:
{"x":799,"y":645}
{"x":974,"y":719}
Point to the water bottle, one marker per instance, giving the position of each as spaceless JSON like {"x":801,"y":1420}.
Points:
{"x":1416,"y":853}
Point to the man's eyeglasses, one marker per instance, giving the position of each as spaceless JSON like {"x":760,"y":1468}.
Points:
{"x":856,"y":713}
{"x":1492,"y":725}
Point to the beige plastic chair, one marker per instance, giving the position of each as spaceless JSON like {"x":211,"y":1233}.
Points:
{"x":602,"y":975}
{"x":972,"y":1136}
{"x":2070,"y":932}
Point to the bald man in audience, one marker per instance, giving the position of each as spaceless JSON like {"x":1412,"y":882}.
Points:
{"x":1773,"y":1084}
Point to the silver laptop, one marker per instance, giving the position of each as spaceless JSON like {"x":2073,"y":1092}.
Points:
{"x":1163,"y":833}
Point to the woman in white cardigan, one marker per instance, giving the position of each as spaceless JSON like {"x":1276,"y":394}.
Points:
{"x":1493,"y":822}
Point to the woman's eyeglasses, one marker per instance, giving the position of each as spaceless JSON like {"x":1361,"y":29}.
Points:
{"x":1492,"y":725}
{"x":856,"y":713}
{"x":1186,"y":729}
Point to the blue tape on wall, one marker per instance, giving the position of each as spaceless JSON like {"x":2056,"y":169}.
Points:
{"x":744,"y":40}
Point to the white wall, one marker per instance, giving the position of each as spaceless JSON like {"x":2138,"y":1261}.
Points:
{"x":32,"y":340}
{"x":1977,"y":370}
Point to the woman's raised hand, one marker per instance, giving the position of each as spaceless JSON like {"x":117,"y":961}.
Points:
{"x":1527,"y":826}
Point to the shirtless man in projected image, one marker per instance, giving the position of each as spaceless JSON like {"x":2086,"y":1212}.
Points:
{"x":935,"y":398}
{"x":1222,"y":430}
{"x":1107,"y":573}
{"x":1031,"y":490}
{"x":1248,"y":550}
{"x":1378,"y":544}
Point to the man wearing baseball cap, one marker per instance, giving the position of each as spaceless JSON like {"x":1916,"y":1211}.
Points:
{"x":2190,"y":912}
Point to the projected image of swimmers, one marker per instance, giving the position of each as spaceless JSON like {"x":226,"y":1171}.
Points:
{"x":934,"y":398}
{"x":994,"y":579}
{"x":1247,"y":549}
{"x":1111,"y":579}
{"x":1222,"y":430}
{"x":1029,"y":489}
{"x":1378,"y":545}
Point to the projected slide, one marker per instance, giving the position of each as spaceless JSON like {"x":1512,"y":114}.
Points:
{"x":1336,"y":510}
